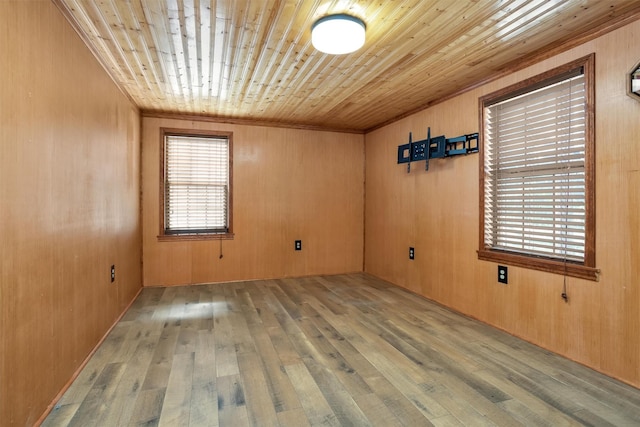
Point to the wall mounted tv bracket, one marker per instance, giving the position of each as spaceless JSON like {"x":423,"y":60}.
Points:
{"x":436,"y":148}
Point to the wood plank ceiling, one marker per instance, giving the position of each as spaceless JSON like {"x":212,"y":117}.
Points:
{"x":253,"y":59}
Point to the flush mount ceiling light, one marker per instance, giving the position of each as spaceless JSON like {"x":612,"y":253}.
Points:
{"x":338,"y":34}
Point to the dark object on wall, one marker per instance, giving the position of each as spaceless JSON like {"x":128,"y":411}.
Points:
{"x":503,"y":274}
{"x":436,"y":147}
{"x":633,"y":82}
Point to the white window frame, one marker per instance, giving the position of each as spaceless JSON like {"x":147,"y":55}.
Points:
{"x":569,"y":259}
{"x":186,"y":229}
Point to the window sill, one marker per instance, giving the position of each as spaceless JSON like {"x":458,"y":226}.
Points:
{"x":570,"y":269}
{"x":195,"y":236}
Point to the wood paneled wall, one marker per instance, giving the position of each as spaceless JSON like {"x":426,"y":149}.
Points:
{"x":437,"y":213}
{"x":288,"y":184}
{"x":69,"y":206}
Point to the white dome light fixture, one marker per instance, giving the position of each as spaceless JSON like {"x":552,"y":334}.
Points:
{"x":338,"y":34}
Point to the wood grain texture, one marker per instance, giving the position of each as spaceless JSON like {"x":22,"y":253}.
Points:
{"x":253,"y":59}
{"x":437,"y":213}
{"x":289,"y":184}
{"x":371,"y":365}
{"x":69,"y":206}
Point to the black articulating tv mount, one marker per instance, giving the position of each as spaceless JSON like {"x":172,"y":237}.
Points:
{"x":436,"y":148}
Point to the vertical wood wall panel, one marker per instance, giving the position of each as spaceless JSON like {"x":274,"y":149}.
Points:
{"x":288,"y":184}
{"x":69,"y":205}
{"x":437,"y":213}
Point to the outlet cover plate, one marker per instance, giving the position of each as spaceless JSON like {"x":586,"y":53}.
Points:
{"x":503,"y":274}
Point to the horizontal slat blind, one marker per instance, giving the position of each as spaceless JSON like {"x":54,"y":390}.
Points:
{"x":535,"y":172}
{"x":196,"y":184}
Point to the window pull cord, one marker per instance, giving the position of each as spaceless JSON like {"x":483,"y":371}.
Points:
{"x":564,"y":294}
{"x":220,"y":257}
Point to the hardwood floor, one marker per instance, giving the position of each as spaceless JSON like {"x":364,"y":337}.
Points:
{"x":332,"y":350}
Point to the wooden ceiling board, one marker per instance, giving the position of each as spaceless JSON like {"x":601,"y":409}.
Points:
{"x":253,"y":59}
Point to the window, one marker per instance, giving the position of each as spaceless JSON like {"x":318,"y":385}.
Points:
{"x":537,"y":172}
{"x":195,"y":194}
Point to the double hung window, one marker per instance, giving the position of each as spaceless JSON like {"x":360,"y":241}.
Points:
{"x":537,"y":172}
{"x":196,"y":184}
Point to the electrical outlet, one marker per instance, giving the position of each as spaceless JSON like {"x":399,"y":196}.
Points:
{"x":298,"y":245}
{"x":412,"y":253}
{"x":113,"y":273}
{"x":503,"y":274}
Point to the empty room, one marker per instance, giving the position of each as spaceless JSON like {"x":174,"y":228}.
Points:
{"x":310,"y":212}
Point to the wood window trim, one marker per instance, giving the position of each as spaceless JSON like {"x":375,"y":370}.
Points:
{"x":162,"y":235}
{"x":587,"y":269}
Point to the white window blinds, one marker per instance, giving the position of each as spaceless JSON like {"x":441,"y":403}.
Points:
{"x":196,"y":184}
{"x":534,"y":172}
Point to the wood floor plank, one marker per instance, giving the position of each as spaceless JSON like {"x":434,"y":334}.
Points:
{"x":249,"y":310}
{"x":263,"y":305}
{"x":322,"y":294}
{"x":293,"y":418}
{"x":121,"y":407}
{"x":91,"y":372}
{"x":242,"y":341}
{"x":385,"y":363}
{"x":61,"y":415}
{"x":204,"y":392}
{"x":144,"y":305}
{"x":177,"y":397}
{"x":281,"y":390}
{"x":94,"y":404}
{"x":148,"y":408}
{"x":350,"y":374}
{"x":603,"y":395}
{"x":291,"y":309}
{"x":393,"y":400}
{"x":541,"y":409}
{"x":157,"y":374}
{"x":342,"y":341}
{"x":478,"y":394}
{"x":187,"y":338}
{"x":535,"y":382}
{"x":281,"y":333}
{"x":340,"y":401}
{"x":316,"y":347}
{"x":232,"y":409}
{"x":398,"y":403}
{"x":260,"y":407}
{"x":526,"y":415}
{"x":556,"y":377}
{"x":321,"y":351}
{"x":424,"y":355}
{"x":282,"y":343}
{"x":226,"y":357}
{"x":589,"y":418}
{"x":313,"y":402}
{"x":377,"y":413}
{"x":460,"y":409}
{"x":386,"y":359}
{"x":447,"y":421}
{"x":320,"y":358}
